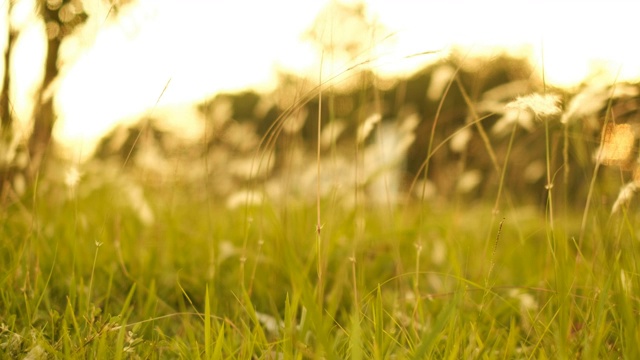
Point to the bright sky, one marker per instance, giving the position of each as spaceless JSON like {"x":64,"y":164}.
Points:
{"x":197,"y":48}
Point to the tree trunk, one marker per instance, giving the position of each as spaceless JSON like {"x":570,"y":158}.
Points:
{"x":6,"y":121}
{"x":44,"y":115}
{"x":5,"y":104}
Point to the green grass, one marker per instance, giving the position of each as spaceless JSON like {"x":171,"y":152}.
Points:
{"x":86,"y":279}
{"x":88,"y":274}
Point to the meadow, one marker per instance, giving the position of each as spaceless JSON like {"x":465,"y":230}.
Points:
{"x":317,"y":259}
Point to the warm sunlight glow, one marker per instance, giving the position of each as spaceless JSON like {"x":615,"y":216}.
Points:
{"x":163,"y":53}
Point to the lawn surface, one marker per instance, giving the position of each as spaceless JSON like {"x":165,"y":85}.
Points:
{"x":86,"y":275}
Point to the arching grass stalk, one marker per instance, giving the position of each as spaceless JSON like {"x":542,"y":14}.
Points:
{"x":478,"y":125}
{"x":432,"y":136}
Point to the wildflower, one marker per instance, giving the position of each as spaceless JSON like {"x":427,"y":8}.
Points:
{"x":617,"y":145}
{"x":539,"y":105}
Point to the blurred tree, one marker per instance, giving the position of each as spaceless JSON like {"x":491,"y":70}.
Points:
{"x":345,"y":31}
{"x":61,"y":17}
{"x":21,"y":159}
{"x":9,"y":159}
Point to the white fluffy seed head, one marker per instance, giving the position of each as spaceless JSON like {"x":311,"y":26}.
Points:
{"x":540,"y":105}
{"x":624,"y":197}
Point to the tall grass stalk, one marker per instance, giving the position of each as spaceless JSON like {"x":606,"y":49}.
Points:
{"x":592,"y":183}
{"x":492,"y":263}
{"x":478,"y":124}
{"x":501,"y":184}
{"x":425,"y":167}
{"x":549,"y":184}
{"x":319,"y":245}
{"x":93,"y":271}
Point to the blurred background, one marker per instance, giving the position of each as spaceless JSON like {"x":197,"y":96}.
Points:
{"x":161,"y":85}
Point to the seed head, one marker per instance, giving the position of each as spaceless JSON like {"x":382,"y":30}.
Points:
{"x":625,"y":196}
{"x":617,"y":145}
{"x":540,"y":105}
